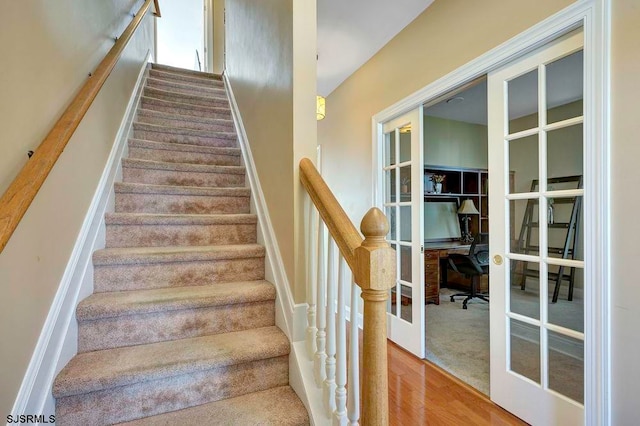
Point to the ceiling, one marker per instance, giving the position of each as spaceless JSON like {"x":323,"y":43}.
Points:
{"x":350,"y":32}
{"x":564,"y":85}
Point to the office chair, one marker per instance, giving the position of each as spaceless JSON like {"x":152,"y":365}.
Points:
{"x":472,"y":265}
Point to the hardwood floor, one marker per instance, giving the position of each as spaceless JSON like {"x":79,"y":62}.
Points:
{"x":422,"y":394}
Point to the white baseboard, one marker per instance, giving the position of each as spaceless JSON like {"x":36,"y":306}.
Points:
{"x":303,"y":383}
{"x":58,"y":340}
{"x":290,"y":317}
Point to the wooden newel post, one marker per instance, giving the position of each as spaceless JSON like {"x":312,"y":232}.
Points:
{"x":375,"y":275}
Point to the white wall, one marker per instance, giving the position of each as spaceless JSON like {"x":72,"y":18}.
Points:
{"x":180,"y":33}
{"x":47,"y":52}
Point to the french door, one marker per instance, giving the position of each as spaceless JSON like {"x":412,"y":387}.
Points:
{"x":536,"y":141}
{"x":402,"y":200}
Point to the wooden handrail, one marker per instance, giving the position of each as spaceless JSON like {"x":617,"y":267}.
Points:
{"x":19,"y":195}
{"x":373,"y":263}
{"x":157,"y":7}
{"x":340,"y":226}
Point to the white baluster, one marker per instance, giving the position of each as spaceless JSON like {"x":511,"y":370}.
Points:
{"x":344,"y":279}
{"x":312,"y":264}
{"x":329,"y":388}
{"x":353,"y":398}
{"x":319,"y":360}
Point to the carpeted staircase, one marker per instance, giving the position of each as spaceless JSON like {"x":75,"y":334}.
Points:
{"x":181,"y":326}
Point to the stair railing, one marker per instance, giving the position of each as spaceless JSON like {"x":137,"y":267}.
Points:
{"x":18,"y":197}
{"x":368,"y":263}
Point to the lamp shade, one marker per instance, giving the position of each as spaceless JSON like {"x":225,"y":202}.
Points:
{"x":320,"y":107}
{"x":468,"y":207}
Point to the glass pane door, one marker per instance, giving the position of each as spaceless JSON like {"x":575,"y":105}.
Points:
{"x":536,"y":167}
{"x":402,"y":187}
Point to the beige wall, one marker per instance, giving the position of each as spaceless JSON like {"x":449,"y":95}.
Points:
{"x":625,"y":181}
{"x":47,"y":51}
{"x":305,"y":126}
{"x":425,"y":50}
{"x":434,"y":50}
{"x":259,"y":63}
{"x":271,"y":63}
{"x":454,"y":143}
{"x":218,"y":36}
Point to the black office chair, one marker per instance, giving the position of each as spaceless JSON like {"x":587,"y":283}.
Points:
{"x":473,"y":266}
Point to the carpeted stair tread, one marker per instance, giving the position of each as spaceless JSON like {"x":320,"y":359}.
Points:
{"x":185,"y":87}
{"x":149,"y":198}
{"x":182,"y":167}
{"x":149,"y":255}
{"x":153,"y":79}
{"x":110,"y":368}
{"x":190,"y":79}
{"x":184,"y":71}
{"x":119,"y":303}
{"x":178,"y":219}
{"x":177,"y":106}
{"x":184,"y":121}
{"x":144,"y":188}
{"x":272,"y":407}
{"x":190,"y":99}
{"x":183,"y":147}
{"x":184,"y":131}
{"x":186,"y":118}
{"x":182,"y":152}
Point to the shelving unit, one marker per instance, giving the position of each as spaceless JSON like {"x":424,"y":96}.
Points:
{"x":462,"y":183}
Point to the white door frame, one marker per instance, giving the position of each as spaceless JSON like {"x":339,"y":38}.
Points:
{"x":409,"y":334}
{"x":594,"y":16}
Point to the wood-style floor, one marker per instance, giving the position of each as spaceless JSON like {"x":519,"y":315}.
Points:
{"x":420,"y":393}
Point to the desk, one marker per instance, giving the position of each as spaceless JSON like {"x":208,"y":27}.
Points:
{"x":435,"y":266}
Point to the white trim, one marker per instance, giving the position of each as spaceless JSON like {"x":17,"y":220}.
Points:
{"x":302,"y":381}
{"x":597,"y":230}
{"x":360,"y":317}
{"x":595,"y":16}
{"x":58,"y":340}
{"x":290,"y":317}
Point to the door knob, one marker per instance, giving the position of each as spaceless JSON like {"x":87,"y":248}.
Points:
{"x":497,"y":259}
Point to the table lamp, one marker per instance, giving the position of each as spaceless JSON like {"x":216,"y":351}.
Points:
{"x":466,"y":209}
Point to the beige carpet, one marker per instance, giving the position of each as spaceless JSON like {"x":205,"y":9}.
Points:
{"x":181,"y":326}
{"x":458,"y":341}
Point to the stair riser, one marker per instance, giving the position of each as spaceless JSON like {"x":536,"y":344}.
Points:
{"x":185,"y":79}
{"x":186,"y":72}
{"x":182,"y":124}
{"x":181,"y":178}
{"x":185,"y":139}
{"x":178,"y":274}
{"x":179,"y":235}
{"x":186,"y":99}
{"x":174,"y":393}
{"x":179,"y":204}
{"x":183,"y":157}
{"x":220,"y":113}
{"x":172,"y":325}
{"x":200,"y":90}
